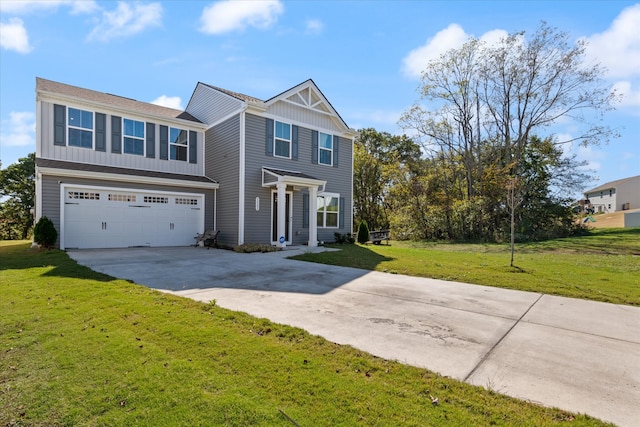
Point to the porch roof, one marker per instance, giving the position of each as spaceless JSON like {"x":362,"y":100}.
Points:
{"x":272,"y":176}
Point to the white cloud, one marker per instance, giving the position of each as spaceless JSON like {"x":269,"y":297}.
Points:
{"x":22,"y":127}
{"x":227,"y":15}
{"x":169,"y":101}
{"x":314,"y":26}
{"x":618,"y":47}
{"x":22,"y":7}
{"x":451,"y":37}
{"x":630,"y":96}
{"x":126,"y":20}
{"x":13,"y":36}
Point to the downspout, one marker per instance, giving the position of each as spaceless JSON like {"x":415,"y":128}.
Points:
{"x":241,"y":178}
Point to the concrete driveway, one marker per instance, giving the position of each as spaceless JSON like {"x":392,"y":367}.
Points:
{"x":577,"y":355}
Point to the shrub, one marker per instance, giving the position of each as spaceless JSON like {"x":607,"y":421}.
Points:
{"x":44,"y":233}
{"x":363,"y":232}
{"x":254,"y":247}
{"x":343,"y":238}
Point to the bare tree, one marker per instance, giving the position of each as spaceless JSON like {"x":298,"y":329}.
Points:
{"x":480,"y":104}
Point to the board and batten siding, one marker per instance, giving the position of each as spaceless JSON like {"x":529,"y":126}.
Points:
{"x":46,"y":148}
{"x":210,"y":106}
{"x":313,"y":119}
{"x":258,"y":223}
{"x":51,"y":195}
{"x":222,"y":163}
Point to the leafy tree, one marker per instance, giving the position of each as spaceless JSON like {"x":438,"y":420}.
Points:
{"x":376,"y":156}
{"x":485,"y":104}
{"x":17,"y":183}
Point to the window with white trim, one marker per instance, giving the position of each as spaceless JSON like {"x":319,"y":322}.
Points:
{"x":282,"y":140}
{"x":325,"y":149}
{"x":178,"y":144}
{"x":80,"y":128}
{"x":328,"y":210}
{"x":133,"y":132}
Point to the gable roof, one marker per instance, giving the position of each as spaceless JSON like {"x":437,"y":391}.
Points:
{"x":237,"y":95}
{"x":304,"y":95}
{"x":308,"y":95}
{"x":612,"y":184}
{"x":49,"y":86}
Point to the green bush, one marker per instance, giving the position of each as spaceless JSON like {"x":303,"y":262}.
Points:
{"x":248,"y":248}
{"x":363,"y":232}
{"x":343,"y":238}
{"x":44,"y":233}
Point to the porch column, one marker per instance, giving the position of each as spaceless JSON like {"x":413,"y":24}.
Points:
{"x":313,"y":216}
{"x":282,"y":212}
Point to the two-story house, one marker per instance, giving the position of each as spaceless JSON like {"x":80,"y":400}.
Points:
{"x":619,"y":195}
{"x":115,"y":172}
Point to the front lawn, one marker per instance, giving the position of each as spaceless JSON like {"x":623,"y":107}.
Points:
{"x":81,"y":348}
{"x":603,"y":266}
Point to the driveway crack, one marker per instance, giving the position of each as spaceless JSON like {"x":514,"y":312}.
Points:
{"x":491,"y":350}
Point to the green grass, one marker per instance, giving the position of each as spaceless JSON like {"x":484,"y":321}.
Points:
{"x":81,"y":348}
{"x":603,"y":266}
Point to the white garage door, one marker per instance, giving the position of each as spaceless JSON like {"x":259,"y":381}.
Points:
{"x":97,"y":217}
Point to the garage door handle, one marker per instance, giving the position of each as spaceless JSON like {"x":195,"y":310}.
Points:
{"x":139,"y":206}
{"x":104,"y":225}
{"x":71,"y":203}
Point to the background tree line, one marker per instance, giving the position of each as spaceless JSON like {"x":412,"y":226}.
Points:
{"x":481,"y":164}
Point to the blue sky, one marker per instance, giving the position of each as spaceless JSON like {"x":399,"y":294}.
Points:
{"x":365,"y":56}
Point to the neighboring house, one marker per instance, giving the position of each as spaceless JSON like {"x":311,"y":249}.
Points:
{"x":623,"y":194}
{"x":115,"y":172}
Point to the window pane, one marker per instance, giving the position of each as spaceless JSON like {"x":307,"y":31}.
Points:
{"x":178,"y":152}
{"x":134,"y":146}
{"x":332,"y":219}
{"x":320,"y":219}
{"x":325,"y":141}
{"x":87,"y":119}
{"x":80,"y":138}
{"x":178,"y":136}
{"x":134,"y":128}
{"x":139,"y":129}
{"x":283,"y":130}
{"x":332,"y":204}
{"x":128,"y":127}
{"x":325,"y":157}
{"x":80,"y":118}
{"x":282,"y":148}
{"x":320,"y":203}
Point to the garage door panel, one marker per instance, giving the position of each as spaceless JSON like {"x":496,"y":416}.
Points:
{"x":107,"y":218}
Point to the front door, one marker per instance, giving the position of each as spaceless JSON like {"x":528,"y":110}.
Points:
{"x":274,"y":217}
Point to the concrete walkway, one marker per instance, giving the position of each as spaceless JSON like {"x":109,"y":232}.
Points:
{"x":577,"y":355}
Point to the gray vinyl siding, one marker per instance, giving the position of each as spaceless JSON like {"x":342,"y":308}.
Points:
{"x":258,"y":224}
{"x":222,"y":163}
{"x":210,"y":106}
{"x":46,"y":148}
{"x":51,"y":195}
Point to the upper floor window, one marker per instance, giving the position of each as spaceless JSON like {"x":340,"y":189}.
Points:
{"x":178,"y":144}
{"x":328,"y":210}
{"x":282,"y":140}
{"x":325,"y":147}
{"x":133,"y":137}
{"x":80,"y":128}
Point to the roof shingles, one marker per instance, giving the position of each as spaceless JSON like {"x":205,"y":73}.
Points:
{"x":43,"y":85}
